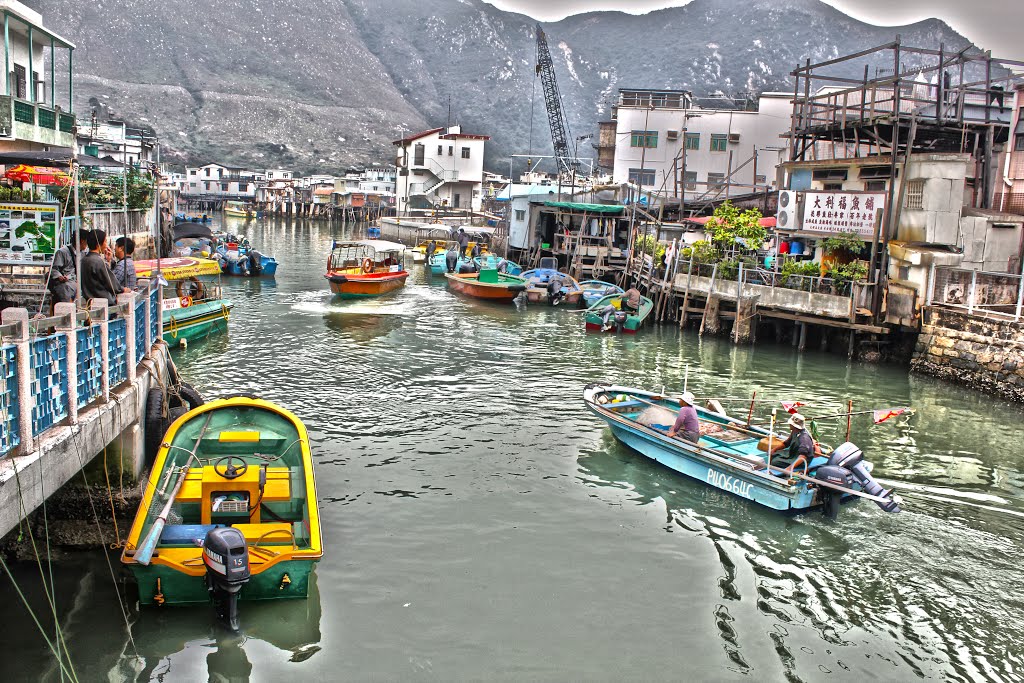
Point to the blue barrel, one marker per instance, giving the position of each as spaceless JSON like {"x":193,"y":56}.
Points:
{"x":796,"y":248}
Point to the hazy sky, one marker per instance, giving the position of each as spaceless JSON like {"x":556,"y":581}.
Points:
{"x":991,"y":24}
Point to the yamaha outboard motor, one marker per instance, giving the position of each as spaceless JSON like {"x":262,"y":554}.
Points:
{"x":451,"y":259}
{"x":620,"y":320}
{"x":431,"y":248}
{"x":555,"y":291}
{"x":255,"y":263}
{"x":226,"y":557}
{"x":846,"y":466}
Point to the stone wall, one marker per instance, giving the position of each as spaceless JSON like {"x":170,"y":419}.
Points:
{"x":981,"y":353}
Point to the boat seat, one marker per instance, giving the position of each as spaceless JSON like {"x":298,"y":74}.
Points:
{"x":186,"y":534}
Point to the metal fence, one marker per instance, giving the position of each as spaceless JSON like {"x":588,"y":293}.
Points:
{"x":998,"y":295}
{"x":53,"y":368}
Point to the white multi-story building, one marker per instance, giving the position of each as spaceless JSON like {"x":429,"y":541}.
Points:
{"x":378,"y":179}
{"x":115,"y":141}
{"x":665,"y":144}
{"x":220,"y":181}
{"x":443,"y":167}
{"x":273,"y":174}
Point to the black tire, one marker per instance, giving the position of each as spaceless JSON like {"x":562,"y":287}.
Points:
{"x":154,"y":423}
{"x":191,"y":396}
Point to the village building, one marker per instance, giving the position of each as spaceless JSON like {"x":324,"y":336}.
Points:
{"x":31,"y":118}
{"x":674,"y":150}
{"x":440,"y":168}
{"x":219,"y":181}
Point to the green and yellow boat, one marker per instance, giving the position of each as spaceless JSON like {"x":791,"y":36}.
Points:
{"x":193,"y":306}
{"x":229,"y":512}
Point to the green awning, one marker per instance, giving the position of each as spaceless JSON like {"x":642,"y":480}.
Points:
{"x":588,"y":208}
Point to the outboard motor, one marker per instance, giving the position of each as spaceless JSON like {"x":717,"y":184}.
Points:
{"x":620,"y":320}
{"x":226,"y":557}
{"x":255,"y":263}
{"x":555,"y":291}
{"x":845,"y":466}
{"x":431,"y":248}
{"x":451,"y":260}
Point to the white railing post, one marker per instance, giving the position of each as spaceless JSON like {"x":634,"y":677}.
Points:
{"x":19,"y":317}
{"x":931,"y":285}
{"x":127,"y":301}
{"x":147,"y":334}
{"x":1020,"y":296}
{"x":99,"y":308}
{"x":68,"y":326}
{"x":974,"y":288}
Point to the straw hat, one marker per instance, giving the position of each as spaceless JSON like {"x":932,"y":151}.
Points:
{"x":687,"y":398}
{"x":797,"y":421}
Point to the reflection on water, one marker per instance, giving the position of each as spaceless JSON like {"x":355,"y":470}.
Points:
{"x":479,"y":522}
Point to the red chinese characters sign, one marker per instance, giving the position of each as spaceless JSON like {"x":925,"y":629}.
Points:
{"x":830,"y":212}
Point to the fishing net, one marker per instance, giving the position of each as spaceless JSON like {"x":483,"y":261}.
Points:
{"x":656,"y":416}
{"x":160,"y":498}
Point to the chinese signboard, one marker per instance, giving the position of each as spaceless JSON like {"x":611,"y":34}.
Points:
{"x":28,"y":232}
{"x":830,"y":212}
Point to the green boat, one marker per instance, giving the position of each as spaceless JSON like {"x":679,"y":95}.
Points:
{"x":193,"y":307}
{"x":229,"y":512}
{"x":625,"y":322}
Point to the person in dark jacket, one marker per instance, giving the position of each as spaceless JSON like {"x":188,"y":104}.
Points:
{"x":451,"y":260}
{"x":97,"y":280}
{"x":123,"y":267}
{"x":800,"y":445}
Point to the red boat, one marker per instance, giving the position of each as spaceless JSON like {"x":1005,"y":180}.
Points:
{"x":366,"y":268}
{"x":487,"y":284}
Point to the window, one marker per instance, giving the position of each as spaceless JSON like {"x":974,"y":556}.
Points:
{"x":875,"y":186}
{"x":207,"y":173}
{"x":520,"y":214}
{"x":716,"y":181}
{"x":831,"y":174}
{"x":1018,"y":143}
{"x":690,"y":180}
{"x":641,"y":176}
{"x":833,"y":187}
{"x":915,"y":195}
{"x":644,"y":138}
{"x":419,"y":152}
{"x":20,"y":89}
{"x":719,"y":142}
{"x":693,"y":141}
{"x":223,"y":187}
{"x":760,"y":180}
{"x":243,"y":187}
{"x":451,"y":150}
{"x":465,"y":152}
{"x":192,"y":172}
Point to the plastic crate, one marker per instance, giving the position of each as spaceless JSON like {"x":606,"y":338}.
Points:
{"x":117,"y":351}
{"x":10,"y":425}
{"x":48,"y":360}
{"x":89,"y":364}
{"x":140,"y":330}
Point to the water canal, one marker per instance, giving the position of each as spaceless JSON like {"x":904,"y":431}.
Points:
{"x":481,"y":524}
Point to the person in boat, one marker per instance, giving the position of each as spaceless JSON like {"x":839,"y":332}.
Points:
{"x":687,"y":426}
{"x":799,"y":446}
{"x":451,"y":260}
{"x":463,"y":242}
{"x":629,"y":302}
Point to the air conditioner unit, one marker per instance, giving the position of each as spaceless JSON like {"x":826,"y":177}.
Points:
{"x":672,"y":135}
{"x":787,"y":218}
{"x":734,"y":137}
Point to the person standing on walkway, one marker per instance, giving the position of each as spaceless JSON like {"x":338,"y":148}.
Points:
{"x":123,"y":267}
{"x":97,"y":280}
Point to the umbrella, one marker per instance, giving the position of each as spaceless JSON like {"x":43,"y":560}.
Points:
{"x":191,"y":229}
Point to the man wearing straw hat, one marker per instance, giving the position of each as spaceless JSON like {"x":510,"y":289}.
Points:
{"x":800,"y":444}
{"x":687,"y":426}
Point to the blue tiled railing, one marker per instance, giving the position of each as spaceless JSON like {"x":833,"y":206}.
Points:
{"x":10,"y":436}
{"x":117,"y":351}
{"x":49,"y":367}
{"x":90,"y":364}
{"x":154,"y":307}
{"x":140,"y":329}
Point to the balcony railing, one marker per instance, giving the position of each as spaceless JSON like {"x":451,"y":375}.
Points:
{"x":51,"y":126}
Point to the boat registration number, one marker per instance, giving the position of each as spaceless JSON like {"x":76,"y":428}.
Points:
{"x":728,"y":483}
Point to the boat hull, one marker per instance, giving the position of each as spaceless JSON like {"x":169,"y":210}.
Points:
{"x":504,"y":291}
{"x":268,"y":268}
{"x":595,"y":322}
{"x":372,"y":284}
{"x":537,"y":295}
{"x":176,"y":588}
{"x":196,"y":322}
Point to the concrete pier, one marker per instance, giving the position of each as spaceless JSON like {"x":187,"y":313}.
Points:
{"x":72,"y":385}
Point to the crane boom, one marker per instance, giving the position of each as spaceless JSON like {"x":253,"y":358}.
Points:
{"x":553,"y":103}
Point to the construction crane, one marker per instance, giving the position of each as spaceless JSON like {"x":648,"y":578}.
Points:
{"x":567,"y":162}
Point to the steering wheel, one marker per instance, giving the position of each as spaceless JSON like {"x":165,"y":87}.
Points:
{"x":230,"y":470}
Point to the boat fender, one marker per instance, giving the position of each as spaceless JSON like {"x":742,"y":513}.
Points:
{"x":154,"y":423}
{"x":190,"y":395}
{"x":190,"y":287}
{"x":367,"y":265}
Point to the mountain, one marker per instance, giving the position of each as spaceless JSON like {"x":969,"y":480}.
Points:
{"x":329,"y":85}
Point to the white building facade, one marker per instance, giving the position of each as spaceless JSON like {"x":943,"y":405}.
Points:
{"x":666,"y":145}
{"x":220,"y":181}
{"x":443,"y":167}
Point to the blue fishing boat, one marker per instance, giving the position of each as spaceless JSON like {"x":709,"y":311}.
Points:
{"x":491,"y":261}
{"x":595,"y":290}
{"x":438,"y":262}
{"x":539,"y":278}
{"x":240,"y":259}
{"x":732,"y":455}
